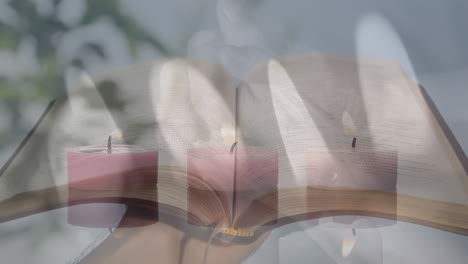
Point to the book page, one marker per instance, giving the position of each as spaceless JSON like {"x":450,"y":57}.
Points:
{"x":345,"y":122}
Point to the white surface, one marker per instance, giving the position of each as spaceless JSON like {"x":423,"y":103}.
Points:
{"x":46,"y":238}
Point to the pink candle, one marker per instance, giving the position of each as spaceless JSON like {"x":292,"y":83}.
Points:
{"x":353,"y":168}
{"x":95,"y":168}
{"x":238,"y":178}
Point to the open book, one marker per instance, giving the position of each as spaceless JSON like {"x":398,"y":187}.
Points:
{"x":301,"y":137}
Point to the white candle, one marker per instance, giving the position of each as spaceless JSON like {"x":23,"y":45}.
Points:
{"x":353,"y":168}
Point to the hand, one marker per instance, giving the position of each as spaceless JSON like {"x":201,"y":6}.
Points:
{"x":163,"y":243}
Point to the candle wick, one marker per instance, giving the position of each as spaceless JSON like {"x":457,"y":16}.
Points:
{"x":233,"y":147}
{"x":354,"y":232}
{"x":109,"y":144}
{"x":353,"y":145}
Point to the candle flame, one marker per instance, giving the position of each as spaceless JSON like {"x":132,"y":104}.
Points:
{"x":228,"y":133}
{"x":116,"y":135}
{"x":349,"y":126}
{"x":347,"y":246}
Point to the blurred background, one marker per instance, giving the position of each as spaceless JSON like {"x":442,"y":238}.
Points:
{"x":46,"y":45}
